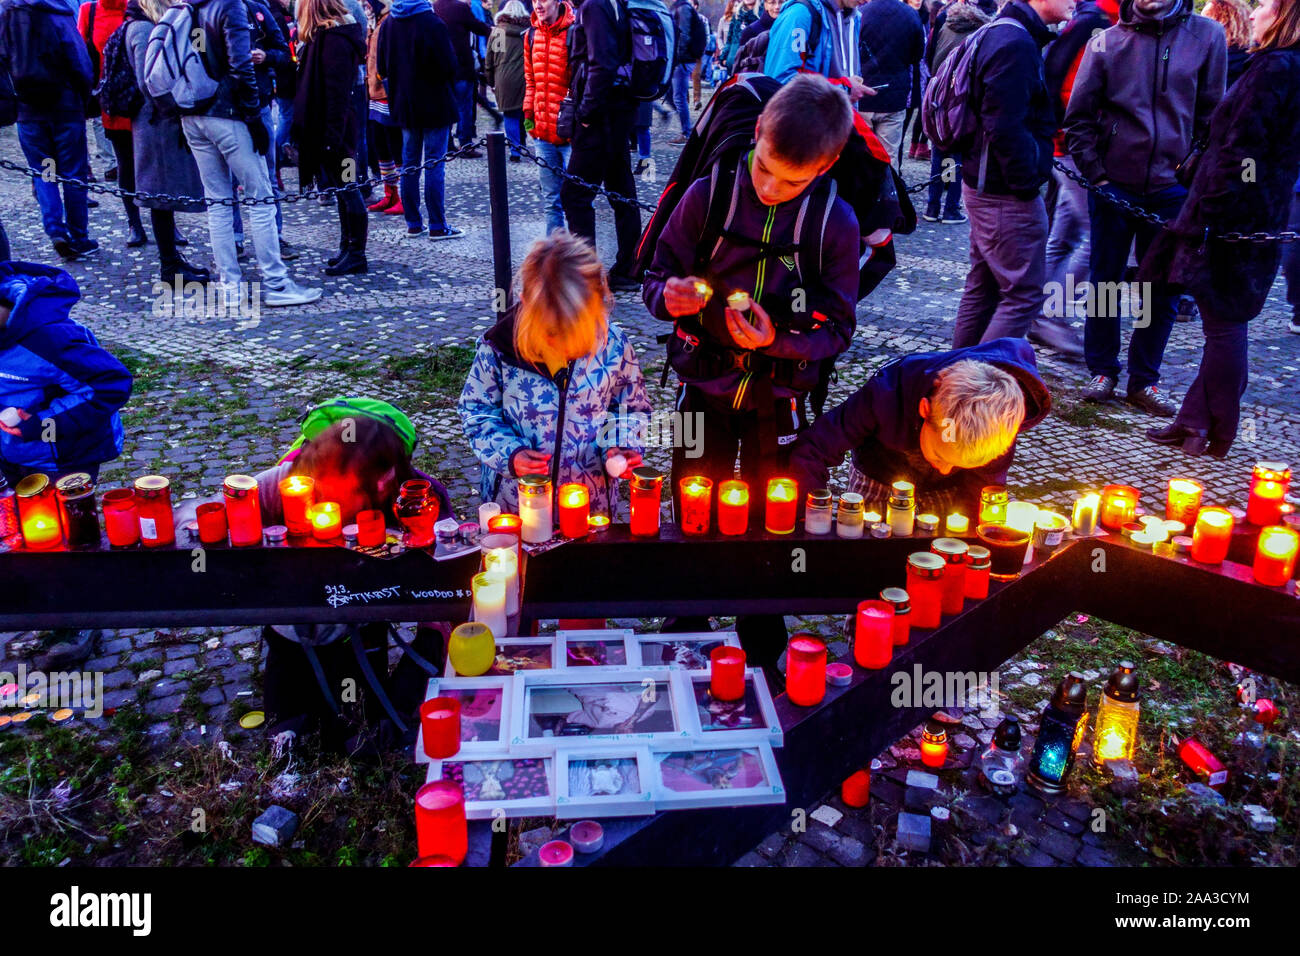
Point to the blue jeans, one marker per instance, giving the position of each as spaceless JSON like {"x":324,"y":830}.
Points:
{"x":1069,"y":243}
{"x":361,"y":106}
{"x":949,"y":192}
{"x":420,"y":146}
{"x":63,"y":139}
{"x":1113,"y":231}
{"x":514,"y":121}
{"x":285,"y":122}
{"x":551,"y":183}
{"x":681,"y":90}
{"x":463,"y":93}
{"x":1213,"y":401}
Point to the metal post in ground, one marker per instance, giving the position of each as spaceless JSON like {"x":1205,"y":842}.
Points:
{"x":500,"y":211}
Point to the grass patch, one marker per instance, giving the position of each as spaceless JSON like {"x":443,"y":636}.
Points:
{"x":439,"y":371}
{"x":1089,"y":415}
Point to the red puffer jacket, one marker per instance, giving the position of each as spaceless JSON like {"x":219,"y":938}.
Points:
{"x":546,"y":73}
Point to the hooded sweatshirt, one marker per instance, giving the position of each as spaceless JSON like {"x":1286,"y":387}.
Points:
{"x":52,"y":368}
{"x":881,"y":424}
{"x":46,"y":59}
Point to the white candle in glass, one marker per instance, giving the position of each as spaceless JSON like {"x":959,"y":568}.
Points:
{"x":486,"y":511}
{"x":504,"y":563}
{"x":535,"y":512}
{"x":1022,"y":515}
{"x":490,"y":602}
{"x":1084,"y":517}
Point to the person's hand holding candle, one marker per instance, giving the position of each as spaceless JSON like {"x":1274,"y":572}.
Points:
{"x":527,"y":461}
{"x":11,"y":419}
{"x":686,"y":296}
{"x":631,"y":459}
{"x":756,"y":332}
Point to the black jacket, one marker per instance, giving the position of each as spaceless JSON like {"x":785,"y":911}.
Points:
{"x":45,"y":58}
{"x":1255,"y":127}
{"x":1238,"y":57}
{"x":325,"y":126}
{"x":267,"y":34}
{"x":602,"y":46}
{"x":461,"y":22}
{"x":1017,"y":120}
{"x":891,"y":41}
{"x":761,"y":25}
{"x":418,"y":65}
{"x":227,"y":33}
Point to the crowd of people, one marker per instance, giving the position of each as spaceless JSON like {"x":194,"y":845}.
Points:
{"x":1089,"y":145}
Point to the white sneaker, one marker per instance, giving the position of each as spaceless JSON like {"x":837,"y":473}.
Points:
{"x":1294,"y":325}
{"x":290,"y":294}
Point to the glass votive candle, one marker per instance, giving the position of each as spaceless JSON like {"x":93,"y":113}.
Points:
{"x":575,"y":507}
{"x":1083,"y":519}
{"x":927,"y":523}
{"x":993,"y":504}
{"x":934,"y":744}
{"x":697,"y":502}
{"x":1118,"y":506}
{"x":440,"y":826}
{"x":805,"y":670}
{"x":598,"y":522}
{"x":1183,"y":500}
{"x":782,"y":505}
{"x":275,"y":536}
{"x":850,"y":522}
{"x":978,"y":563}
{"x":1021,"y":515}
{"x":513,"y":524}
{"x":873,"y":637}
{"x":727,"y":673}
{"x":925,"y":587}
{"x":38,"y":513}
{"x":1049,"y":531}
{"x":733,"y":507}
{"x":1269,"y":482}
{"x":817,"y":512}
{"x":535,"y":509}
{"x":371,"y":529}
{"x":1007,"y":548}
{"x":297,"y":494}
{"x":243,"y":512}
{"x":899,"y":600}
{"x":153,"y":503}
{"x":504,"y":562}
{"x":1212,"y":535}
{"x":1275,"y":555}
{"x":953,"y":551}
{"x":490,"y":602}
{"x":646,"y":496}
{"x":486,"y":512}
{"x":956,"y":525}
{"x":326,"y":520}
{"x":211,"y":517}
{"x":121,"y":523}
{"x":77,"y":511}
{"x":440,"y":726}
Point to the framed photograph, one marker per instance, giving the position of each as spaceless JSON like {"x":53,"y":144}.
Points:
{"x":605,"y":782}
{"x":485,"y":704}
{"x":684,"y":651}
{"x":594,"y":648}
{"x":595,"y":706}
{"x":728,"y":723}
{"x":519,"y":786}
{"x":688,"y":777}
{"x":518,"y":654}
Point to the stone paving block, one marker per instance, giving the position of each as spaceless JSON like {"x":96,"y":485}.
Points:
{"x":118,"y":645}
{"x":1092,"y":856}
{"x":118,"y":678}
{"x":752,"y":859}
{"x":180,"y":665}
{"x":914,"y":832}
{"x":116,"y":698}
{"x":1075,"y":808}
{"x":1055,"y":818}
{"x":851,"y":852}
{"x":1032,"y":857}
{"x":101,"y":663}
{"x":985,"y":809}
{"x":1058,"y":845}
{"x":801,"y":854}
{"x":820,"y":838}
{"x":772,"y":844}
{"x":221,"y":657}
{"x":212,"y":696}
{"x":162,"y":706}
{"x":884,"y":790}
{"x":922,"y":780}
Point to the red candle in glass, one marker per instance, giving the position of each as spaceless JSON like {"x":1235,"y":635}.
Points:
{"x":243,"y":512}
{"x":901,"y":602}
{"x":1275,"y":555}
{"x":697,"y":499}
{"x":440,"y":725}
{"x":1201,"y":762}
{"x":646,"y":492}
{"x":727,"y":673}
{"x":440,"y":826}
{"x":934,"y":744}
{"x":121,"y":523}
{"x":38,"y":513}
{"x":575,"y":508}
{"x":953,"y":551}
{"x":782,"y":505}
{"x":211,"y":516}
{"x":1212,"y":535}
{"x":297,"y":494}
{"x":979,"y":562}
{"x":153,"y":503}
{"x":326,"y":520}
{"x":925,"y":587}
{"x":856,"y":789}
{"x":1269,"y":482}
{"x":371,"y":529}
{"x":511,"y":523}
{"x":805,"y":670}
{"x":1118,"y":506}
{"x":733,"y":507}
{"x":873,"y":639}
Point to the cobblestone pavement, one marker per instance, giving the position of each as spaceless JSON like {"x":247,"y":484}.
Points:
{"x":222,"y":395}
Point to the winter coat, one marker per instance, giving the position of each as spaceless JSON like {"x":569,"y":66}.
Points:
{"x":959,"y":21}
{"x":1016,"y":118}
{"x":228,"y":57}
{"x":891,"y":42}
{"x":840,"y":32}
{"x":1238,"y":57}
{"x":1064,"y":54}
{"x":163,"y":161}
{"x":46,"y":59}
{"x":546,"y":72}
{"x":418,"y":66}
{"x":1143,"y":95}
{"x":1255,"y":127}
{"x":108,"y":17}
{"x":602,"y":45}
{"x":761,"y":25}
{"x":505,"y":62}
{"x":461,"y":22}
{"x":508,"y":404}
{"x":881,"y":423}
{"x":742,"y":18}
{"x":286,"y":72}
{"x":325,"y":126}
{"x":374,"y":85}
{"x":831,"y":289}
{"x":267,"y":33}
{"x":52,"y":368}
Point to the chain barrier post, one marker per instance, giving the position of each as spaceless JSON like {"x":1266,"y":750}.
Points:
{"x":499,"y":201}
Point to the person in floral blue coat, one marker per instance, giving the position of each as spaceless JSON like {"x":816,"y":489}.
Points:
{"x":556,"y":356}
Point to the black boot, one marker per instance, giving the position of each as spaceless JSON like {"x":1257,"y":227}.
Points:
{"x":135,"y":236}
{"x":338,"y":256}
{"x":187,"y":271}
{"x":353,"y":262}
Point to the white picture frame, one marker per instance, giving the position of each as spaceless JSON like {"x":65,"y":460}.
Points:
{"x":505,"y":645}
{"x":577,"y":789}
{"x":544,"y":702}
{"x":610,"y":646}
{"x":746,"y":722}
{"x":647,"y":650}
{"x":676,"y":769}
{"x":473,"y":721}
{"x":480,"y":803}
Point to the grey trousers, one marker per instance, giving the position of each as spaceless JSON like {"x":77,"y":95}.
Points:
{"x":1004,"y":287}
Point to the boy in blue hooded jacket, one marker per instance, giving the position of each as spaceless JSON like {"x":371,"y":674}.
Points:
{"x":59,"y":391}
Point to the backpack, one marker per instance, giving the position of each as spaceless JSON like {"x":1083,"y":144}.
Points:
{"x":693,"y":44}
{"x":649,"y":74}
{"x":119,"y":94}
{"x":338,"y":409}
{"x":948,"y":109}
{"x":174,"y":72}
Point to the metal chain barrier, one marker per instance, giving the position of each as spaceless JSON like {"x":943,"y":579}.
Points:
{"x":330,"y":192}
{"x":565,"y":174}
